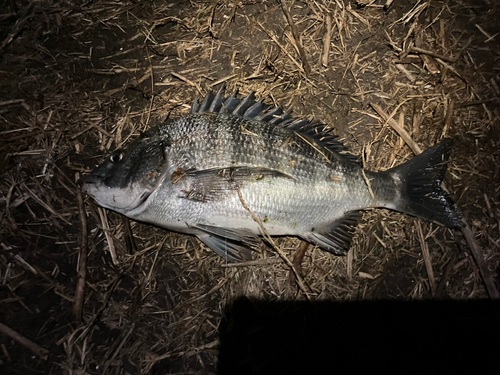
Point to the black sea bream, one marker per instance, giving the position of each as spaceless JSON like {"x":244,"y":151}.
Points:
{"x":187,"y":175}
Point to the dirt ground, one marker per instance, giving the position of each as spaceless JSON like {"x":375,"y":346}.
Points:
{"x":81,"y":78}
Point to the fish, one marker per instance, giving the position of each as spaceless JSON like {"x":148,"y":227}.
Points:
{"x":235,"y":169}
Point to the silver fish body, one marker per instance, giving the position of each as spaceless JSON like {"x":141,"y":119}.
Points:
{"x":203,"y":173}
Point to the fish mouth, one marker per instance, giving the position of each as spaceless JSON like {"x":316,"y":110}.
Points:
{"x":122,"y":200}
{"x":89,"y":182}
{"x":91,"y":185}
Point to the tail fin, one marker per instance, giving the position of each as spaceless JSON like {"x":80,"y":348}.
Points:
{"x":420,"y":180}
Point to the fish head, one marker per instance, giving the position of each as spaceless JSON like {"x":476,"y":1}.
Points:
{"x":126,"y":179}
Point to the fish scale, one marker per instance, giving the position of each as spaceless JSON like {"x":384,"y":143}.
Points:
{"x":237,"y":147}
{"x":306,"y":170}
{"x":186,"y":175}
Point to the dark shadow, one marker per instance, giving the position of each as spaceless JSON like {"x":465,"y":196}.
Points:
{"x":430,"y":337}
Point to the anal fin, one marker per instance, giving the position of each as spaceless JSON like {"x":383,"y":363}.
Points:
{"x":336,"y":237}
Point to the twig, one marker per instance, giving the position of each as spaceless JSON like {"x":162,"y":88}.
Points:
{"x":11,"y":102}
{"x":448,"y":66}
{"x":19,"y":25}
{"x":189,"y":82}
{"x":340,"y":26}
{"x":258,"y":262}
{"x":35,"y":348}
{"x":478,"y":257}
{"x":427,"y":257}
{"x":82,"y":259}
{"x":128,"y":236}
{"x":350,"y":258}
{"x":406,"y":72}
{"x":85,"y":329}
{"x":402,"y":132}
{"x":44,"y":204}
{"x":327,"y":38}
{"x":433,"y":54}
{"x":366,"y":57}
{"x":184,"y":353}
{"x":273,"y":244}
{"x":117,"y":351}
{"x":227,"y":78}
{"x":367,"y":180}
{"x":490,"y":37}
{"x":105,"y":226}
{"x":25,"y":264}
{"x":313,"y":146}
{"x":446,"y":274}
{"x":297,"y":260}
{"x":414,"y":12}
{"x":388,"y":3}
{"x":417,"y":116}
{"x":152,"y":89}
{"x":281,"y":47}
{"x":296,"y":36}
{"x":426,"y":56}
{"x":145,"y":76}
{"x":449,"y":116}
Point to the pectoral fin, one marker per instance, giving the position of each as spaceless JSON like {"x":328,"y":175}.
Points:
{"x":211,"y":184}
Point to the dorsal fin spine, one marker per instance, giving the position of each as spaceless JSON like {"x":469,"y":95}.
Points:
{"x":249,"y":108}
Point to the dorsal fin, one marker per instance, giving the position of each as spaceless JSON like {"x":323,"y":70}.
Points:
{"x":248,"y":107}
{"x":321,"y":134}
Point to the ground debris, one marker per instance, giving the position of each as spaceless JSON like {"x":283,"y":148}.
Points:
{"x":81,"y":79}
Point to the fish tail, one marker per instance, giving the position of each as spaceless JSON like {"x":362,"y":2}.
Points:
{"x":419,"y":192}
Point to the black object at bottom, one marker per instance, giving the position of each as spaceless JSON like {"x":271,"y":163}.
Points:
{"x":431,"y":337}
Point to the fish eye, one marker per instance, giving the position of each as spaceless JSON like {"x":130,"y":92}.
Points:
{"x":115,"y":158}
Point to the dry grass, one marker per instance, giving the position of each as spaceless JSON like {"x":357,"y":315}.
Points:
{"x":80,"y":79}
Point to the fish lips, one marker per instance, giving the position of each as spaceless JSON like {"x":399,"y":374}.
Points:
{"x":121,"y":200}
